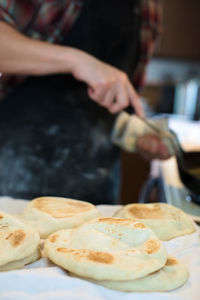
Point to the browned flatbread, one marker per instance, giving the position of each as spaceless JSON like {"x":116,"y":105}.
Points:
{"x":18,"y":243}
{"x":49,"y":214}
{"x":107,"y":248}
{"x":166,"y":221}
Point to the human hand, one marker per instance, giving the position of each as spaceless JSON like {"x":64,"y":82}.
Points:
{"x":107,"y":85}
{"x":150,"y":146}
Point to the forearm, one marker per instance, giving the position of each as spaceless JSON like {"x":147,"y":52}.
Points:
{"x":22,"y":55}
{"x":108,"y":86}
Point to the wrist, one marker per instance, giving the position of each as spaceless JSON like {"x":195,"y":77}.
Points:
{"x":67,"y":60}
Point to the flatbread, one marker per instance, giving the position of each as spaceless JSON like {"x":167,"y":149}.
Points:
{"x":166,"y":221}
{"x":19,"y":264}
{"x":128,"y":128}
{"x":50,"y":214}
{"x":170,"y":277}
{"x":107,"y":248}
{"x":18,"y":242}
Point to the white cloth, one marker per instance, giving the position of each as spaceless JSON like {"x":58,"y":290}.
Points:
{"x":44,"y":281}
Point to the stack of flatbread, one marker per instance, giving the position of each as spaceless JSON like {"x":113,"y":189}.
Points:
{"x":165,"y":220}
{"x":123,"y":252}
{"x":50,"y":214}
{"x":117,"y":253}
{"x":18,"y":243}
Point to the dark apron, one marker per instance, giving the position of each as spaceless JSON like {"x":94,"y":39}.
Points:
{"x":53,"y":139}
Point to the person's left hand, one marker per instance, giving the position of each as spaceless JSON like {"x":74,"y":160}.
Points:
{"x":150,"y":146}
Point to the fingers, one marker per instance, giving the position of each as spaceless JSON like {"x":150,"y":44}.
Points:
{"x":113,"y":90}
{"x":109,"y":99}
{"x":152,"y":147}
{"x":135,"y":101}
{"x":104,"y":98}
{"x":114,"y":99}
{"x":120,"y":101}
{"x":96,"y":94}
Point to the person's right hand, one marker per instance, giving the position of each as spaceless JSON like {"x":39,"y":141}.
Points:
{"x":107,"y":85}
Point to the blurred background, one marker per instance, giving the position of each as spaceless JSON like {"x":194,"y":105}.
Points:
{"x":173,"y":84}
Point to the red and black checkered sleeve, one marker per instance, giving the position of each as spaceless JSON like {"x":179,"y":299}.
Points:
{"x":17,"y":13}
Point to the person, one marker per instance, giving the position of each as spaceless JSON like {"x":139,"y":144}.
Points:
{"x":67,"y":69}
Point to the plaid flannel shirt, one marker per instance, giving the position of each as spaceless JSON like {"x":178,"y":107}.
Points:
{"x":50,"y":20}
